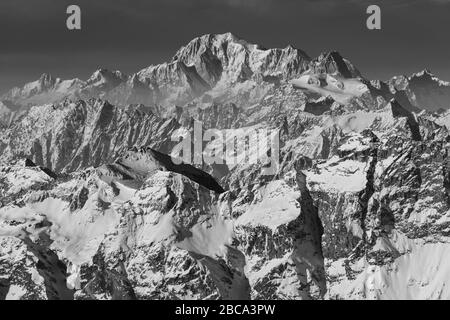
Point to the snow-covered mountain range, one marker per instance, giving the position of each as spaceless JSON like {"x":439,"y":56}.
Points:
{"x":93,"y":207}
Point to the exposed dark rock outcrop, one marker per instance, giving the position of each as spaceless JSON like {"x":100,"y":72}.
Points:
{"x":51,"y":268}
{"x":399,"y":111}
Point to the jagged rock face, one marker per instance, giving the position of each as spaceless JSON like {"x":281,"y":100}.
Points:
{"x":229,"y":59}
{"x":176,"y":82}
{"x":424,"y":90}
{"x":45,"y":90}
{"x":333,"y":63}
{"x":226,"y":116}
{"x":20,"y":277}
{"x":71,"y":136}
{"x":8,"y":113}
{"x":92,"y":205}
{"x":399,"y":204}
{"x":141,"y":238}
{"x":149,"y":231}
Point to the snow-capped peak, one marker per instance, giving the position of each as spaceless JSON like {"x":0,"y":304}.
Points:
{"x":105,"y":75}
{"x":47,"y":81}
{"x":426,"y":74}
{"x":333,"y":63}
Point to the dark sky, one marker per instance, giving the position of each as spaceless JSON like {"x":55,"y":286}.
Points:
{"x":130,"y":35}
